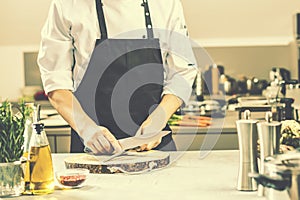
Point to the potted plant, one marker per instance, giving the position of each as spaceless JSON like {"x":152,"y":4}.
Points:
{"x":12,"y":125}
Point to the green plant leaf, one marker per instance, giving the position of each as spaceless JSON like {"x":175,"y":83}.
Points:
{"x":12,"y":127}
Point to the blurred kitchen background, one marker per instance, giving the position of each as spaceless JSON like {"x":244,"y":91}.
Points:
{"x":247,"y":37}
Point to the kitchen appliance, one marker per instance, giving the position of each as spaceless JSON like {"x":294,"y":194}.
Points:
{"x":278,"y":74}
{"x":293,"y":92}
{"x":255,"y":86}
{"x":247,"y":139}
{"x":281,"y":108}
{"x":212,"y":78}
{"x":230,"y":85}
{"x":269,"y":141}
{"x":297,"y":26}
{"x":282,"y":173}
{"x":288,"y":111}
{"x":278,"y":77}
{"x":242,"y":86}
{"x":198,"y":87}
{"x":209,"y":108}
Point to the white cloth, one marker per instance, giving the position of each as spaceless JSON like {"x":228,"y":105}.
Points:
{"x":72,"y":28}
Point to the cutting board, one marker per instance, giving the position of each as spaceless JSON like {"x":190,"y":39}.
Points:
{"x":131,"y":162}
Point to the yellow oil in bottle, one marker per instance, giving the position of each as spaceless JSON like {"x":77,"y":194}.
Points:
{"x":26,"y":175}
{"x":41,"y":170}
{"x":27,"y":136}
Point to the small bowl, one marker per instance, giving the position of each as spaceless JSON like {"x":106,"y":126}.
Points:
{"x":72,"y":178}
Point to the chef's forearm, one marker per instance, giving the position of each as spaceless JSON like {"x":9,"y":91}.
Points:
{"x":69,"y":108}
{"x":170,"y":103}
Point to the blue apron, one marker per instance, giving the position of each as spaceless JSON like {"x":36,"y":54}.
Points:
{"x":123,"y":83}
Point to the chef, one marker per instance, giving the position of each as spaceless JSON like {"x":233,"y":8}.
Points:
{"x":111,"y":70}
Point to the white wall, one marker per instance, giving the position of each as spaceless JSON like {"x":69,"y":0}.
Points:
{"x":21,"y":21}
{"x":234,"y":19}
{"x":215,"y":24}
{"x":12,"y":70}
{"x":20,"y":26}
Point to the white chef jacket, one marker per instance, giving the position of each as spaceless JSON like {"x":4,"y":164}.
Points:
{"x":71,"y":29}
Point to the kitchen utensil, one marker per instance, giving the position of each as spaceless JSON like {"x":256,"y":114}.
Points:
{"x":247,"y":138}
{"x":132,"y":142}
{"x":269,"y":141}
{"x":282,"y":173}
{"x":130,"y":162}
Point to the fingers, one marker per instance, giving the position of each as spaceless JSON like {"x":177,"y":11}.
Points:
{"x":149,"y":127}
{"x":103,"y":142}
{"x":148,"y":147}
{"x":112,"y":141}
{"x":99,"y":145}
{"x":152,"y":145}
{"x":142,"y":147}
{"x":103,"y":145}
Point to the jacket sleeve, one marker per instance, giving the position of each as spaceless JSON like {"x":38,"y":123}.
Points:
{"x":55,"y":57}
{"x":180,"y":66}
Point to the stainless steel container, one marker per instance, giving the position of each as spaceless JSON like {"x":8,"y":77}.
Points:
{"x":269,"y":140}
{"x":247,"y":137}
{"x":199,"y":86}
{"x":282,"y":173}
{"x":293,"y":91}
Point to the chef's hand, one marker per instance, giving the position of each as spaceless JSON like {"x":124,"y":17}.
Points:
{"x":153,"y":124}
{"x":97,"y":138}
{"x":100,"y":140}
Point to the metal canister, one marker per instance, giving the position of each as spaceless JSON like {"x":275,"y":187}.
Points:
{"x":269,"y":140}
{"x":247,"y":137}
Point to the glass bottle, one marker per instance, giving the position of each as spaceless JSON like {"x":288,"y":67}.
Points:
{"x":27,"y":135}
{"x":40,"y":162}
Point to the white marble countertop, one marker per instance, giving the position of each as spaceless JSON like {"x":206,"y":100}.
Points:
{"x":189,"y":177}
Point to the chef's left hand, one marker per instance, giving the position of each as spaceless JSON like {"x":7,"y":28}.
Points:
{"x":155,"y":122}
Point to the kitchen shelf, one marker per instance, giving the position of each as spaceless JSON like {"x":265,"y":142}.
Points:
{"x":242,"y":42}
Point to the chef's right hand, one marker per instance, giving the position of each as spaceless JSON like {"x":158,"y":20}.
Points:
{"x":101,"y":141}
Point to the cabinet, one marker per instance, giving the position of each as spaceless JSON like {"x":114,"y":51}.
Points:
{"x":221,"y":136}
{"x":59,"y":139}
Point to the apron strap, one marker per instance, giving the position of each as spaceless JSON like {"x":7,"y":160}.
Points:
{"x":148,"y":19}
{"x":101,"y":19}
{"x":102,"y":24}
